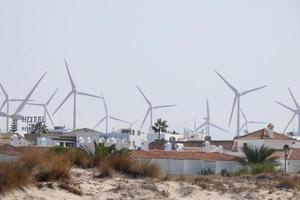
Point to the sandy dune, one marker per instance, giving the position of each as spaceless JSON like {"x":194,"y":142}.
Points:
{"x":122,"y":187}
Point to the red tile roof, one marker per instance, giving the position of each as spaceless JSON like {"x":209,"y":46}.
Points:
{"x":183,"y":155}
{"x":294,"y":154}
{"x":263,"y":134}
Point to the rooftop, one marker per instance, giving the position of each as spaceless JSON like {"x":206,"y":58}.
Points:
{"x":263,"y":134}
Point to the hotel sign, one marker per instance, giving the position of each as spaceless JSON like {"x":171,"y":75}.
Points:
{"x":29,"y":121}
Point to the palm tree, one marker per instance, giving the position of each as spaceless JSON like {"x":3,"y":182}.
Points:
{"x":160,"y":126}
{"x":254,"y":155}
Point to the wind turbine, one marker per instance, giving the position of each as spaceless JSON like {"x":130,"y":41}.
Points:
{"x":73,"y":92}
{"x":237,"y":100}
{"x":208,"y":123}
{"x":247,"y":122}
{"x":16,"y":115}
{"x":150,"y":109}
{"x":7,"y":103}
{"x":107,"y":117}
{"x":45,"y":107}
{"x":295,"y":111}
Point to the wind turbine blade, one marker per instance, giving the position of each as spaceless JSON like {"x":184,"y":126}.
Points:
{"x":104,"y":102}
{"x":49,"y":116}
{"x":3,"y":114}
{"x":165,"y":106}
{"x":148,"y":111}
{"x":89,"y":95}
{"x":50,"y":99}
{"x":218,"y":127}
{"x":243,"y":114}
{"x":3,"y":90}
{"x":117,"y":119}
{"x":24,"y":102}
{"x":69,"y":74}
{"x":3,"y":104}
{"x":100,"y":122}
{"x":287,"y":107}
{"x":243,"y":126}
{"x":147,"y":100}
{"x":62,"y":103}
{"x":35,"y":104}
{"x":252,"y":90}
{"x":201,"y":126}
{"x":293,"y":97}
{"x":287,"y":126}
{"x":232,"y":110}
{"x":132,"y":124}
{"x":16,"y":100}
{"x":227,"y":83}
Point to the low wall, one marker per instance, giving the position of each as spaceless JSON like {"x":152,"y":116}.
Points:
{"x":191,"y":167}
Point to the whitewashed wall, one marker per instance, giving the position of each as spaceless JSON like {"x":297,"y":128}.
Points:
{"x":191,"y":167}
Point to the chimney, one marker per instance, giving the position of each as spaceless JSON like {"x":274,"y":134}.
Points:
{"x":270,"y":130}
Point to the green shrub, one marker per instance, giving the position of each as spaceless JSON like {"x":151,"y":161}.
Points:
{"x":206,"y":172}
{"x":254,"y":169}
{"x":242,"y":171}
{"x":59,"y":149}
{"x":262,"y":168}
{"x":225,"y":173}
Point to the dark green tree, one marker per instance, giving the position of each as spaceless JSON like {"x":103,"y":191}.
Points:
{"x":254,"y":155}
{"x":39,"y":128}
{"x":160,"y":126}
{"x":14,"y":126}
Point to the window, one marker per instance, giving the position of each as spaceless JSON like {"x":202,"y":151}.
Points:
{"x":61,"y":144}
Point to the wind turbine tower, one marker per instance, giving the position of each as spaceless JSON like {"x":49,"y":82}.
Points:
{"x":73,"y":92}
{"x":150,"y":109}
{"x":208,"y":122}
{"x":237,"y":101}
{"x":247,"y":122}
{"x":107,"y":117}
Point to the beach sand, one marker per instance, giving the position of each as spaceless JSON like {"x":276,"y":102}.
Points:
{"x":123,"y":187}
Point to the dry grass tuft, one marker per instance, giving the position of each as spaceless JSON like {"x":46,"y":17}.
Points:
{"x":106,"y":169}
{"x":58,"y":168}
{"x":12,"y":176}
{"x":34,"y":166}
{"x":290,"y":182}
{"x":81,"y":158}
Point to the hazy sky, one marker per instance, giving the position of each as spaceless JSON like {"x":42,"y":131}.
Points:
{"x":168,"y":47}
